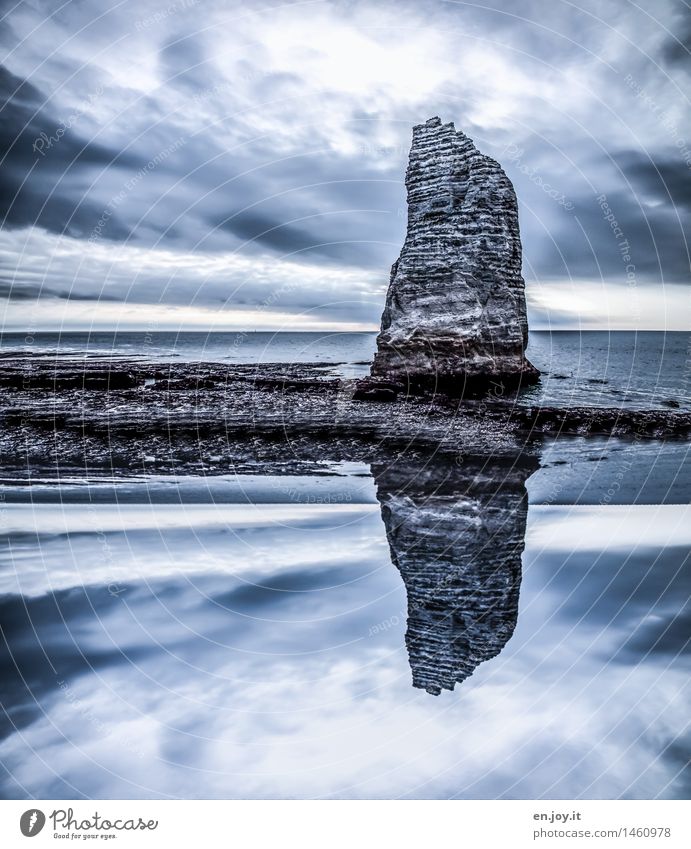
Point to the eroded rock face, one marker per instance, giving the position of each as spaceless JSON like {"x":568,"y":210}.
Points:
{"x":456,"y":536}
{"x":455,"y":310}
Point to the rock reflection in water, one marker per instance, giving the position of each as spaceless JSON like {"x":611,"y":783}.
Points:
{"x":456,"y":534}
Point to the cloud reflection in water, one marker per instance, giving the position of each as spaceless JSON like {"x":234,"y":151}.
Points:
{"x":260,"y":651}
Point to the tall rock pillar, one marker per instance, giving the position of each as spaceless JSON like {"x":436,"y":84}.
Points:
{"x":455,"y":314}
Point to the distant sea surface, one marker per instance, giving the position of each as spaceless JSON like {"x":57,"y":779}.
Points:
{"x":595,"y":368}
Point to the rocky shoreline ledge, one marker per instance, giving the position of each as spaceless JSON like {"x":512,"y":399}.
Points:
{"x":127,"y":414}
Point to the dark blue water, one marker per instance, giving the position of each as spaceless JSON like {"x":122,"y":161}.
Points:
{"x":618,"y":369}
{"x":597,"y":368}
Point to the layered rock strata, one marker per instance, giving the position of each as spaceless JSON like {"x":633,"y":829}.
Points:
{"x":455,"y":314}
{"x":456,"y":536}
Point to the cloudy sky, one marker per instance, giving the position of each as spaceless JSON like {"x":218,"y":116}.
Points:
{"x":200,"y":164}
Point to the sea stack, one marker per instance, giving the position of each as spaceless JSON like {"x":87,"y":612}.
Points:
{"x":455,"y":315}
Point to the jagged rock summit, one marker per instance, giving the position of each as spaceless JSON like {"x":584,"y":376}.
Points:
{"x":455,"y":314}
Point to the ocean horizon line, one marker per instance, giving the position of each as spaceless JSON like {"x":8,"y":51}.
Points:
{"x":329,"y":331}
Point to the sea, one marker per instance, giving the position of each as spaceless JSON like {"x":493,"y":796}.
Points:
{"x":244,"y":636}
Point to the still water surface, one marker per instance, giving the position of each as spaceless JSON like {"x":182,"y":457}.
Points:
{"x":242,"y":637}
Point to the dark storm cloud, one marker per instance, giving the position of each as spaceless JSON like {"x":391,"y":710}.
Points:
{"x":316,"y":207}
{"x":42,"y":162}
{"x":667,"y":181}
{"x":650,"y":200}
{"x":676,"y":49}
{"x":566,"y":232}
{"x":22,"y":291}
{"x":204,"y":199}
{"x":263,"y":230}
{"x":589,"y":247}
